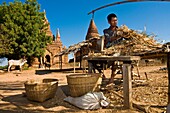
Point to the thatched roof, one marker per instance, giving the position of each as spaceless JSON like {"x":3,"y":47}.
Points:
{"x":157,"y":53}
{"x":76,"y":47}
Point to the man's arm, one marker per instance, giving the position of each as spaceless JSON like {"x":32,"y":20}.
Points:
{"x":114,"y":38}
{"x":111,"y":40}
{"x":106,"y":38}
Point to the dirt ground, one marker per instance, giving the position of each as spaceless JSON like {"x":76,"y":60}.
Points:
{"x":149,"y":91}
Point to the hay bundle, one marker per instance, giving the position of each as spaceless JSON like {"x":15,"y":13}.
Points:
{"x":133,"y":42}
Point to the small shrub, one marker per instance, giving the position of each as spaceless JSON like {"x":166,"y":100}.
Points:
{"x":3,"y":67}
{"x":25,"y":66}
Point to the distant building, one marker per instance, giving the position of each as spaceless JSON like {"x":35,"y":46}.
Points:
{"x":91,"y":33}
{"x":52,"y":49}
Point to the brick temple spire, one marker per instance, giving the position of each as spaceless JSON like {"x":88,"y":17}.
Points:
{"x":45,"y":16}
{"x":48,"y":32}
{"x":58,"y":35}
{"x":92,"y":30}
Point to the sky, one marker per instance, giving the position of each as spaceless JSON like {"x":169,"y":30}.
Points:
{"x":72,"y":19}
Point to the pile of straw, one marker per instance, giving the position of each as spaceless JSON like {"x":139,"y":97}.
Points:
{"x":133,"y":42}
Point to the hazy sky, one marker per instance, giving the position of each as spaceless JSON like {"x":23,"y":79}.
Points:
{"x":70,"y":16}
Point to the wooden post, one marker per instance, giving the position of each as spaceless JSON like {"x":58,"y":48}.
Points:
{"x":168,"y":67}
{"x":90,"y":67}
{"x":74,"y":61}
{"x":41,"y":63}
{"x":127,"y":84}
{"x":102,"y":43}
{"x":81,"y":57}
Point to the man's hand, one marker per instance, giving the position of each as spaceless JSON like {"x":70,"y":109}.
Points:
{"x":113,"y":38}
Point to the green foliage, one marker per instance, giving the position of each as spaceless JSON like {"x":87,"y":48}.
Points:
{"x":25,"y":66}
{"x":3,"y":67}
{"x":22,"y":29}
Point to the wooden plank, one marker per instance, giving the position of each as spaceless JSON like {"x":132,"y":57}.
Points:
{"x":127,"y":85}
{"x":155,"y":55}
{"x":112,"y":58}
{"x":145,"y":108}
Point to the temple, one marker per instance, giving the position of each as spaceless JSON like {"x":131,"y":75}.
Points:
{"x":52,"y":49}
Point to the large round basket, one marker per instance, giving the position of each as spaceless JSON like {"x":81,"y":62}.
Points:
{"x":80,"y":84}
{"x":41,"y":90}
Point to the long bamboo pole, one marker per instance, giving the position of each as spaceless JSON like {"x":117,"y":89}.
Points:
{"x":123,"y":2}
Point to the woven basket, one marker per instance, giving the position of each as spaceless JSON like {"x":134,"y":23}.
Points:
{"x":80,"y":84}
{"x":41,"y":90}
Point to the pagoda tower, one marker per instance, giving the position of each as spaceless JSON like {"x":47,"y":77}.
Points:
{"x":57,"y":39}
{"x":48,"y":32}
{"x":55,"y":47}
{"x":58,"y":35}
{"x":92,"y":30}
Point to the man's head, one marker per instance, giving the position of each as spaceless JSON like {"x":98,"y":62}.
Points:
{"x":112,"y":19}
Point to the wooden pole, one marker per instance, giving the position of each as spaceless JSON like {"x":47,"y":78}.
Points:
{"x":127,"y":84}
{"x":102,"y":43}
{"x":168,"y":67}
{"x":41,"y":63}
{"x":90,"y":67}
{"x":121,"y":2}
{"x":81,"y":57}
{"x":74,"y":61}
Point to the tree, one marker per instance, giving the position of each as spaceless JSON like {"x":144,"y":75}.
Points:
{"x":3,"y":40}
{"x":22,"y":29}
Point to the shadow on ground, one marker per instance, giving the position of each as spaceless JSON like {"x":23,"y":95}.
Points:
{"x":20,"y":104}
{"x":68,"y":70}
{"x":17,"y":85}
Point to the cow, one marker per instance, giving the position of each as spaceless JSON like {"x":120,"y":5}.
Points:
{"x":19,"y":63}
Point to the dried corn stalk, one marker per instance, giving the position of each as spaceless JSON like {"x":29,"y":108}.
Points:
{"x":134,"y":42}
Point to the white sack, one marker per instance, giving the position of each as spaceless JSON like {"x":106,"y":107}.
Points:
{"x":93,"y":100}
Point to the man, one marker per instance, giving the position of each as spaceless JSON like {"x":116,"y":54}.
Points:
{"x":111,"y":32}
{"x":111,"y":39}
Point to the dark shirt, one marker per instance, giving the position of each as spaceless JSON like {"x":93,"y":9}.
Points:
{"x":108,"y":33}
